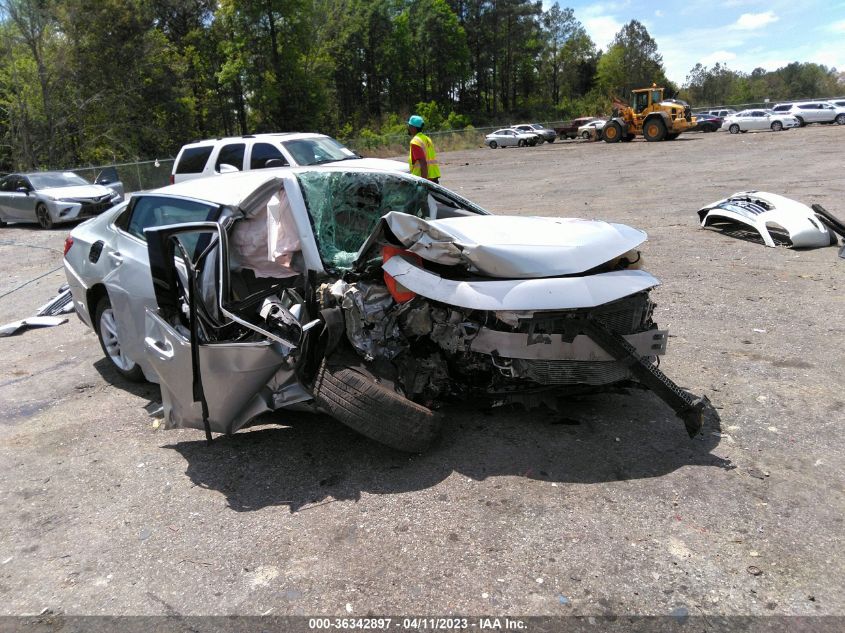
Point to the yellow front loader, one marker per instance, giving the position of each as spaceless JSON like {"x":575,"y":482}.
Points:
{"x":651,"y":116}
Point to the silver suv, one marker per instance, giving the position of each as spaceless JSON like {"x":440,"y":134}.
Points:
{"x":261,"y":151}
{"x":812,"y":112}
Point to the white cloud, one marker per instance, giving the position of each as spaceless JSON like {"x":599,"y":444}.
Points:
{"x":751,"y":21}
{"x":718,"y":57}
{"x":602,"y":29}
{"x":658,"y":13}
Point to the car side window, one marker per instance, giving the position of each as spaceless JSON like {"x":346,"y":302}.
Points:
{"x":232,"y":154}
{"x":193,"y":159}
{"x":262,"y":152}
{"x":152,"y":211}
{"x":6,"y":184}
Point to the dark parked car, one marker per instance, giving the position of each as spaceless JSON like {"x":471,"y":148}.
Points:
{"x":707,"y":123}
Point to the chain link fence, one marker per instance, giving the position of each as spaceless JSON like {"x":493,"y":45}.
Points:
{"x":138,"y":176}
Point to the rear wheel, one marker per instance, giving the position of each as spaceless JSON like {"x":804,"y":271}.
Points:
{"x":373,"y":410}
{"x":801,"y":122}
{"x":585,"y":135}
{"x":550,"y":140}
{"x":106,"y":322}
{"x":776,"y":126}
{"x":612,"y":132}
{"x":734,"y":129}
{"x":654,"y":130}
{"x":520,"y":143}
{"x":43,"y":216}
{"x":840,"y":119}
{"x":493,"y":145}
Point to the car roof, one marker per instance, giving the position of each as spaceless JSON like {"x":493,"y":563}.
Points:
{"x":267,"y":136}
{"x":231,"y":189}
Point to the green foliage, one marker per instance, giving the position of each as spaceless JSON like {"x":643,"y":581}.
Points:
{"x":98,"y":81}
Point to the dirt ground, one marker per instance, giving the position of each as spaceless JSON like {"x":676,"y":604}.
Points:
{"x":604,"y":507}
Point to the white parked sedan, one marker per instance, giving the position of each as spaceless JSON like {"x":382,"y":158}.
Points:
{"x":587,"y":130}
{"x":508,"y":137}
{"x":52,"y":197}
{"x":759,"y":120}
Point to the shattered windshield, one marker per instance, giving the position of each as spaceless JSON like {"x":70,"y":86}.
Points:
{"x":315,"y":151}
{"x":345,"y":208}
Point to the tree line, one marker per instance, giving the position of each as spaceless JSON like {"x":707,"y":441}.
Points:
{"x":102,"y":81}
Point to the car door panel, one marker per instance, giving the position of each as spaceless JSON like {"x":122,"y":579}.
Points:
{"x":226,"y":377}
{"x":130,"y":291}
{"x":232,"y":375}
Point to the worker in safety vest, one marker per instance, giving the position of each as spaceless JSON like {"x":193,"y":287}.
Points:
{"x":422,"y":158}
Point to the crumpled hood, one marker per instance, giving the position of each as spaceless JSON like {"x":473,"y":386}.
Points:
{"x":87,"y":192}
{"x":515,"y":247}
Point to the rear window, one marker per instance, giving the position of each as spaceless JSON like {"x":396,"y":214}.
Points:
{"x":782,"y":108}
{"x":152,"y":211}
{"x":193,"y":159}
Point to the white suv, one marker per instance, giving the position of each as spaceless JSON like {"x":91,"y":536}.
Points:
{"x":812,"y":112}
{"x":261,"y":151}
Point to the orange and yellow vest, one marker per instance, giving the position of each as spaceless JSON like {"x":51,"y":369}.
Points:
{"x":425,"y":143}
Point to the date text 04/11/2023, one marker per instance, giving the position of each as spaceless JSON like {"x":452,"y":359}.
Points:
{"x":417,"y":623}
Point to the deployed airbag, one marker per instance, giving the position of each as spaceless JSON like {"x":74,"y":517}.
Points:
{"x":768,"y":213}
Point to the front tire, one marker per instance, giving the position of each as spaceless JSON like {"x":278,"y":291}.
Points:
{"x":520,"y":143}
{"x":585,"y":135}
{"x":493,"y":145}
{"x":734,"y":129}
{"x":776,"y":126}
{"x":654,"y":130}
{"x":373,"y":410}
{"x":43,"y":216}
{"x":612,"y":132}
{"x":840,"y":119}
{"x":106,"y":322}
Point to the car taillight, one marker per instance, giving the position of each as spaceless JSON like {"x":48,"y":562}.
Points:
{"x":399,"y":292}
{"x":68,"y":244}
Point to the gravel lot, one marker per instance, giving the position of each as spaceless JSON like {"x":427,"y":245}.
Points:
{"x":604,"y":507}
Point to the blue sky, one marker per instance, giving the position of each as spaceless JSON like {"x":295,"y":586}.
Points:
{"x":743,"y":34}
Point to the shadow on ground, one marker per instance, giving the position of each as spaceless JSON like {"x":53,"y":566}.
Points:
{"x":596,"y":439}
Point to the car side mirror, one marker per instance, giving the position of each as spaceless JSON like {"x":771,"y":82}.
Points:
{"x":23,"y":190}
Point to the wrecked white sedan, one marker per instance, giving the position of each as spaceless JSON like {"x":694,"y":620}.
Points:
{"x":367,"y":295}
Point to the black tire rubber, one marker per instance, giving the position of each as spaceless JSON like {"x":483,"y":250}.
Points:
{"x":550,"y":140}
{"x":629,"y":137}
{"x":520,"y":143}
{"x":734,"y":129}
{"x":135,"y":374}
{"x":43,"y":216}
{"x":801,"y":122}
{"x":654,"y":130}
{"x":493,"y":145}
{"x":776,"y":126}
{"x":585,"y":135}
{"x":672,"y":137}
{"x":373,"y":410}
{"x":840,"y":119}
{"x":615,"y":132}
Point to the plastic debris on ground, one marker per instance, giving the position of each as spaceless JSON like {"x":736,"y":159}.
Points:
{"x":45,"y":316}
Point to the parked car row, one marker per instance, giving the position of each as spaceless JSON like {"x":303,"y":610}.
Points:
{"x":520,"y":135}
